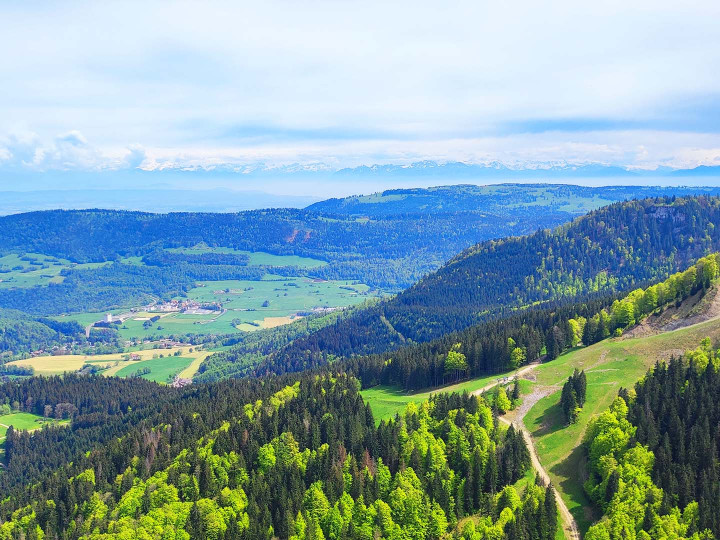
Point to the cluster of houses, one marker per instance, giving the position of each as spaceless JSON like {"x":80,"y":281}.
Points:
{"x":192,"y":307}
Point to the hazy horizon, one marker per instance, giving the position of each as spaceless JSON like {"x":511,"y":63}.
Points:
{"x":100,"y":89}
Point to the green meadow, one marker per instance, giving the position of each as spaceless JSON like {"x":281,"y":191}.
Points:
{"x":162,"y":370}
{"x":387,"y":401}
{"x":21,"y":421}
{"x":609,"y":366}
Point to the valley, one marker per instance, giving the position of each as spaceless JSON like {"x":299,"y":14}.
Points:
{"x":204,"y":386}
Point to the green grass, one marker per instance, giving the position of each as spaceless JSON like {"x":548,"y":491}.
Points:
{"x":244,"y":299}
{"x":609,"y":365}
{"x":161,"y":369}
{"x":386,"y":401}
{"x":22,"y":421}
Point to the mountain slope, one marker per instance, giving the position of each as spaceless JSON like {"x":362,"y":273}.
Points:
{"x":611,"y":249}
{"x":499,"y":199}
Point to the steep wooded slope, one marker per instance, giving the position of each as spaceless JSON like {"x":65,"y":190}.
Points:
{"x":612,"y":249}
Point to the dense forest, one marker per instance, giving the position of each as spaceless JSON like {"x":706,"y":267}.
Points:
{"x":390,"y":252}
{"x":498,"y":199}
{"x":653,"y":455}
{"x":300,"y":460}
{"x":612,"y":249}
{"x":489,"y":347}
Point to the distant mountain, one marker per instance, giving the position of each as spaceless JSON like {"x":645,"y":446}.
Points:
{"x":702,"y":170}
{"x":498,"y":199}
{"x":459,"y":170}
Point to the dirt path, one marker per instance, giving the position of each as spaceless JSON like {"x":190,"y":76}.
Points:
{"x":515,"y":418}
{"x":569,"y":525}
{"x":519,"y":373}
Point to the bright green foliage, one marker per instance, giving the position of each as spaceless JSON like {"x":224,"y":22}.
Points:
{"x":517,"y":357}
{"x":642,"y":302}
{"x":456,"y":365}
{"x":620,"y":483}
{"x":502,"y":402}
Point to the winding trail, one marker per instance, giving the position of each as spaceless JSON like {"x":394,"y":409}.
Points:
{"x":569,"y":525}
{"x":516,"y":420}
{"x":519,"y":373}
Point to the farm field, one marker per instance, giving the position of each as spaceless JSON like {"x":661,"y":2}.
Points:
{"x":609,"y":365}
{"x":55,"y":365}
{"x":162,"y":370}
{"x":386,"y":401}
{"x":249,"y":305}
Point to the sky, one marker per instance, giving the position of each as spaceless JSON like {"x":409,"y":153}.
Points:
{"x":112,"y":86}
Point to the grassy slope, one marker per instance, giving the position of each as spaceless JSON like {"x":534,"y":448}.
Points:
{"x":609,"y":365}
{"x":386,"y":401}
{"x":162,"y":369}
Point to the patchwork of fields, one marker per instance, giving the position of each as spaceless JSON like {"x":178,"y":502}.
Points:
{"x":246,"y":306}
{"x":183,"y":361}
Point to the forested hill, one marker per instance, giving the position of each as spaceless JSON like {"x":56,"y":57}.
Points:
{"x":498,"y":199}
{"x":611,"y":249}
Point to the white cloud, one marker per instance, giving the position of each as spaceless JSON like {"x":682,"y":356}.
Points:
{"x":350,"y":82}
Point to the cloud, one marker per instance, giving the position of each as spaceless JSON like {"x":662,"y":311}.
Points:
{"x":66,"y":152}
{"x":351,"y":82}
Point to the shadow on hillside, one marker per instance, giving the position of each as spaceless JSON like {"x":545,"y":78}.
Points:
{"x":550,"y":421}
{"x":573,"y":470}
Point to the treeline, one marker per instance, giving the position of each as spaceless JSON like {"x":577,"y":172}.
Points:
{"x":390,"y":252}
{"x":653,"y":455}
{"x":639,"y":241}
{"x":104,"y":408}
{"x":572,"y":397}
{"x":491,"y":347}
{"x":301,"y":461}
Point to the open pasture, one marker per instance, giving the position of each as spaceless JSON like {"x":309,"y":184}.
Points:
{"x":162,"y":370}
{"x":22,"y":421}
{"x":609,"y":365}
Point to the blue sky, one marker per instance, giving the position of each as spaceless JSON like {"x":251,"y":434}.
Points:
{"x":119,"y":85}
